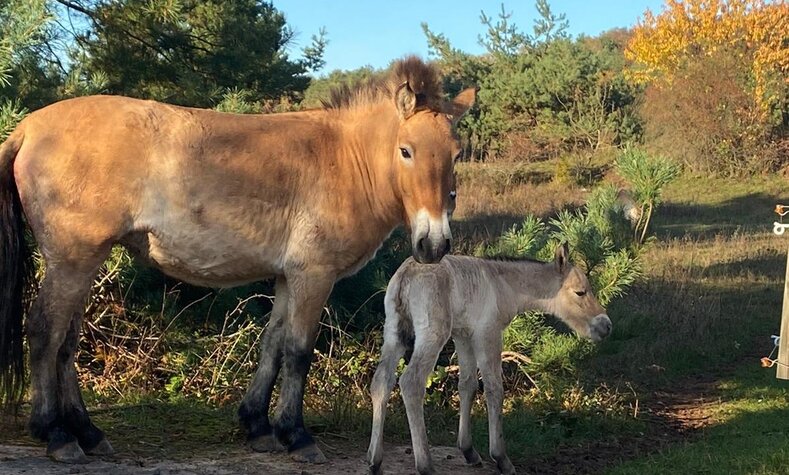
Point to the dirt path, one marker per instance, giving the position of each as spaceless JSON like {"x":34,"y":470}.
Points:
{"x":26,"y":460}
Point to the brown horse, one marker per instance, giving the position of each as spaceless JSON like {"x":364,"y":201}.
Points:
{"x":218,"y":200}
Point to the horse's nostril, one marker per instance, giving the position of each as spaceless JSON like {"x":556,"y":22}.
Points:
{"x":447,"y":246}
{"x":420,"y":246}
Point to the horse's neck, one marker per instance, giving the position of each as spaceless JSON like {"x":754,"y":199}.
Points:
{"x":370,"y":136}
{"x":531,"y":287}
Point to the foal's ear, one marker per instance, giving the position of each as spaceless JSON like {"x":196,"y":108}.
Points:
{"x":562,"y":257}
{"x":461,"y":104}
{"x":405,"y":100}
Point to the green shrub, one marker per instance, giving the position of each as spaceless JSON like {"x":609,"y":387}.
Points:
{"x":647,"y":175}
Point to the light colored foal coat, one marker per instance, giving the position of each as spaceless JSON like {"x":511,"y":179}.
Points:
{"x":472,"y":300}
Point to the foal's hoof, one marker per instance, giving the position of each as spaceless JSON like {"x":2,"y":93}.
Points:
{"x":69,"y":452}
{"x":102,"y":448}
{"x":375,"y":469}
{"x":308,"y":454}
{"x":266,"y":443}
{"x":472,"y":456}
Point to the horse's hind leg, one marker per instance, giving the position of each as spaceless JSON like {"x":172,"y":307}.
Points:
{"x":467,"y":387}
{"x":62,"y":295}
{"x":383,"y":382}
{"x":91,"y":439}
{"x":488,"y":352}
{"x":412,"y":387}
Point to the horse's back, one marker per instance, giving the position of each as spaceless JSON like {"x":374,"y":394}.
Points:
{"x":185,"y":187}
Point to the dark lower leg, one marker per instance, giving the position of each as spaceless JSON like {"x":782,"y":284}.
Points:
{"x":72,"y":407}
{"x":289,"y":425}
{"x":47,"y":327}
{"x":253,"y":412}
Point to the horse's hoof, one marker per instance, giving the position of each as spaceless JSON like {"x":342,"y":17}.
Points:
{"x":69,"y":452}
{"x":472,"y":457}
{"x":102,"y":448}
{"x":266,"y":443}
{"x":308,"y":454}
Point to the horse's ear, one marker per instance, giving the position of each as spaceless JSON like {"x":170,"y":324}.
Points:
{"x":461,"y":104}
{"x":405,"y":100}
{"x":562,"y":257}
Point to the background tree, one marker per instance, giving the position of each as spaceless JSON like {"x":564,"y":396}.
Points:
{"x":735,"y":119}
{"x":541,"y":94}
{"x":192,"y":52}
{"x":22,"y":25}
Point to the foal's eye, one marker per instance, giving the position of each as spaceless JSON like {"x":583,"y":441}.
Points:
{"x":404,"y":152}
{"x":580,"y":293}
{"x":458,"y":157}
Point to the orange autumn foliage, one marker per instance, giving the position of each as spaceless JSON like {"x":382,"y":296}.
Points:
{"x":754,"y":30}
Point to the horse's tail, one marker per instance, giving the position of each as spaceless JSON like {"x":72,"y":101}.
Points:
{"x":398,"y":322}
{"x":15,"y":276}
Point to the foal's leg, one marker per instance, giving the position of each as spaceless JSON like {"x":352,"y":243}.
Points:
{"x":488,"y":352}
{"x":62,"y":295}
{"x":308,"y":295}
{"x":91,"y":439}
{"x":468,"y":384}
{"x":412,"y":386}
{"x":383,"y":382}
{"x":253,"y":412}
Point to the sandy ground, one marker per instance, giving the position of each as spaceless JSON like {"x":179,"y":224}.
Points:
{"x":26,"y":460}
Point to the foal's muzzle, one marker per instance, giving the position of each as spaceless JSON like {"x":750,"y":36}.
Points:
{"x":600,"y":327}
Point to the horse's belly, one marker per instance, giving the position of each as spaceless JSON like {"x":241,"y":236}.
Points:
{"x":209,"y":257}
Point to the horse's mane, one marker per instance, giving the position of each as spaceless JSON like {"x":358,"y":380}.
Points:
{"x":423,"y":78}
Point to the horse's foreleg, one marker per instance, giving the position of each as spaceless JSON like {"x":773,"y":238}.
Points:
{"x":467,"y":387}
{"x":62,"y":295}
{"x":91,"y":439}
{"x":488,"y":352}
{"x":253,"y":412}
{"x":307,"y":297}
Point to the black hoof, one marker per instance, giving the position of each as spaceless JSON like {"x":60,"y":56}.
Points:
{"x":63,"y":448}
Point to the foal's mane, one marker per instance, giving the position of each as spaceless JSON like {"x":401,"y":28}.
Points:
{"x":514,"y":259}
{"x":423,"y":78}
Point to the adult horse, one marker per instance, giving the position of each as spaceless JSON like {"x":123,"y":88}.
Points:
{"x":217,"y":200}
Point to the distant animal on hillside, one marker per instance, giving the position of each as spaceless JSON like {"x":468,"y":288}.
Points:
{"x":472,"y":300}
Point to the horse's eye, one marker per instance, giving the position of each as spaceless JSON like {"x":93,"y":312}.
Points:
{"x":453,"y":194}
{"x":458,"y":157}
{"x":404,"y":152}
{"x":580,"y":293}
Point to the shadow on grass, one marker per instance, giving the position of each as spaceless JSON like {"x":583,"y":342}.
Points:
{"x":664,"y":330}
{"x":753,"y":211}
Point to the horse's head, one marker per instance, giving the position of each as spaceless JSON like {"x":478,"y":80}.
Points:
{"x":575,"y":303}
{"x":424,"y":153}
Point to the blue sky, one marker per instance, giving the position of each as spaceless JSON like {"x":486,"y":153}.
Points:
{"x":375,"y":32}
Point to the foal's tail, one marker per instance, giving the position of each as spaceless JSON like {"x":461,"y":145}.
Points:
{"x":15,"y":276}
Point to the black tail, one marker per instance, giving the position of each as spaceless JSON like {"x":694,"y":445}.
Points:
{"x":16,"y":273}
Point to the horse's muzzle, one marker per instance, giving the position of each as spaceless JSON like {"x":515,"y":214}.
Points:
{"x":425,"y":252}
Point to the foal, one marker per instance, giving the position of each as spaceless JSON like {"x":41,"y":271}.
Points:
{"x":472,"y":300}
